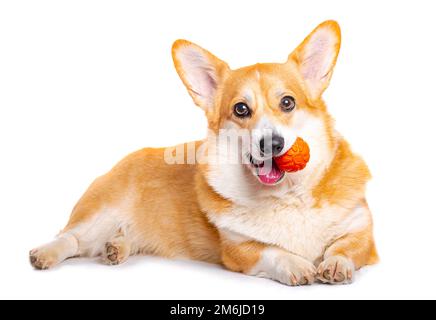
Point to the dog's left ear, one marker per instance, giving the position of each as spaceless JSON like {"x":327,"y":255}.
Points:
{"x":316,"y":57}
{"x":201,"y":72}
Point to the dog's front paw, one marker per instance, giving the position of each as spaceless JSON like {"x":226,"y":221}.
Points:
{"x":294,"y":271}
{"x":336,"y":270}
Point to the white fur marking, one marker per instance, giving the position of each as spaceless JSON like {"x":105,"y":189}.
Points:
{"x":94,"y":233}
{"x":281,"y":266}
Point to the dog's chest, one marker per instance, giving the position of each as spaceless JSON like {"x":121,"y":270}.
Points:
{"x":290,"y":224}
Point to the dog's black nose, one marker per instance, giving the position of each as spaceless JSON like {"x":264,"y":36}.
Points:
{"x":272,"y":145}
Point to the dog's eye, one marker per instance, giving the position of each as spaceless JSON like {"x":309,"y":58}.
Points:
{"x":287,"y":103}
{"x":241,"y":110}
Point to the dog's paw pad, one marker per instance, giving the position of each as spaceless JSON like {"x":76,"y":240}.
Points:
{"x":113,"y":254}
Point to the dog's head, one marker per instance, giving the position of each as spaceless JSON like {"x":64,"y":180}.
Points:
{"x":271,"y":103}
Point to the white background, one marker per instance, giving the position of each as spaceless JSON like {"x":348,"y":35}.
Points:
{"x":83,"y":83}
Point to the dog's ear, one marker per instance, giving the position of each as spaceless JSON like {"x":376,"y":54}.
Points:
{"x":316,"y":57}
{"x":201,"y":72}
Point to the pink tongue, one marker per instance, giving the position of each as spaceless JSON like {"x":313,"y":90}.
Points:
{"x":270,"y":174}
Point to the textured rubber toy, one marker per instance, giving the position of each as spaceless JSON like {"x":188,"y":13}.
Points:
{"x":296,"y":158}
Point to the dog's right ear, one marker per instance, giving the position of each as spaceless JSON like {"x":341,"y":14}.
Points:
{"x":201,"y":72}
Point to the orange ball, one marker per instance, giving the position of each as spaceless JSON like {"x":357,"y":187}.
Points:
{"x":296,"y":158}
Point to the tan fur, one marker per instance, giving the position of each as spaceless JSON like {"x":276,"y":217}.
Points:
{"x":144,"y":205}
{"x":241,"y":257}
{"x":344,"y":180}
{"x":359,"y":247}
{"x":160,"y":227}
{"x":208,"y":199}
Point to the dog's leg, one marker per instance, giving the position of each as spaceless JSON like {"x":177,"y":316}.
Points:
{"x":87,"y":239}
{"x":65,"y":246}
{"x":254,"y":258}
{"x":117,"y":250}
{"x":346,"y":255}
{"x":95,"y":220}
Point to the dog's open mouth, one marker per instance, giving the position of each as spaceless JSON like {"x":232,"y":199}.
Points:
{"x":266,"y":171}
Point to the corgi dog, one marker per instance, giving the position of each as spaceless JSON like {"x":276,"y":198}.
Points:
{"x":294,"y":228}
